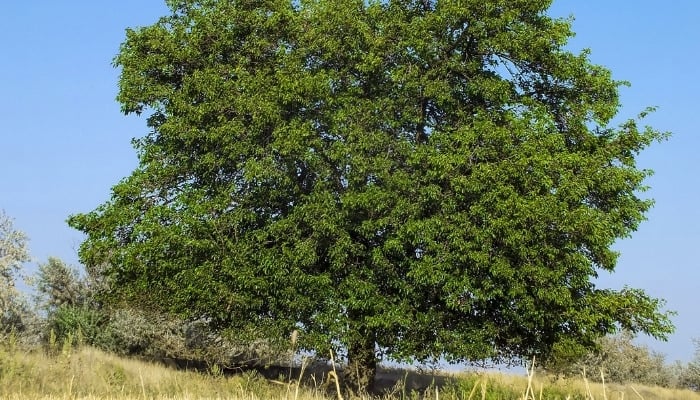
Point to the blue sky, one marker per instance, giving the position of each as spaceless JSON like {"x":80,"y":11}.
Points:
{"x":64,"y":142}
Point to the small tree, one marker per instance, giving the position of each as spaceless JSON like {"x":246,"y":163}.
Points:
{"x":70,"y":309}
{"x":13,"y":253}
{"x":394,"y":179}
{"x":59,"y":285}
{"x":621,"y":361}
{"x":690,"y":373}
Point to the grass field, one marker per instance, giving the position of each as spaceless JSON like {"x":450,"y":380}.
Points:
{"x":88,"y":373}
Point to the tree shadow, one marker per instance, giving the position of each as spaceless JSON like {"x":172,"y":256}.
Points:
{"x":318,"y":376}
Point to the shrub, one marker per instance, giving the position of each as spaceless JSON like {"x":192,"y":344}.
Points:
{"x":77,"y":324}
{"x":135,"y":332}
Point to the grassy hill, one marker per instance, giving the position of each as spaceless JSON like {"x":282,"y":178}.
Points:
{"x":88,"y":373}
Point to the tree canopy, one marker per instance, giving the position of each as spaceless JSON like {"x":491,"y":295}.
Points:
{"x":401,"y":179}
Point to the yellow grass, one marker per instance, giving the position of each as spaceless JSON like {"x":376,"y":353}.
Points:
{"x":92,"y":374}
{"x":88,"y":373}
{"x":584,"y":389}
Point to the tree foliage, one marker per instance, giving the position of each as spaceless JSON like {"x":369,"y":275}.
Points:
{"x":71,"y":313}
{"x":58,"y":285}
{"x":14,"y":251}
{"x":689,"y":374}
{"x":74,"y":313}
{"x":394,"y":179}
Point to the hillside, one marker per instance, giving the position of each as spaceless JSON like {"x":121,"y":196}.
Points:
{"x":88,"y":373}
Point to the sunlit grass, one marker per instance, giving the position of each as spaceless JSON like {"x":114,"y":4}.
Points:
{"x":87,"y":373}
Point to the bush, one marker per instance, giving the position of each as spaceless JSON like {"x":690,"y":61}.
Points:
{"x":77,"y":324}
{"x":133,"y":332}
{"x":74,"y":313}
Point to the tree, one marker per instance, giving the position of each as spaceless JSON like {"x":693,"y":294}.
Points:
{"x":621,"y":361}
{"x":13,"y":253}
{"x":393,"y":179}
{"x":58,"y":285}
{"x":689,"y":374}
{"x":65,"y":297}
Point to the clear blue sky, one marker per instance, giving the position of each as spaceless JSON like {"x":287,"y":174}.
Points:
{"x":64,"y":142}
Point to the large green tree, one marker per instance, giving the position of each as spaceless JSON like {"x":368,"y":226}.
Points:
{"x":402,"y":179}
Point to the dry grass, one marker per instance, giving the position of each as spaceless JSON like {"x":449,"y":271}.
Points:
{"x":533,"y":387}
{"x":92,"y":374}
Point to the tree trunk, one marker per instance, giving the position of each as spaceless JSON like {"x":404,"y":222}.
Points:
{"x":362,"y":363}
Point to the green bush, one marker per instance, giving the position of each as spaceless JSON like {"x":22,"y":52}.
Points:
{"x":78,"y":324}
